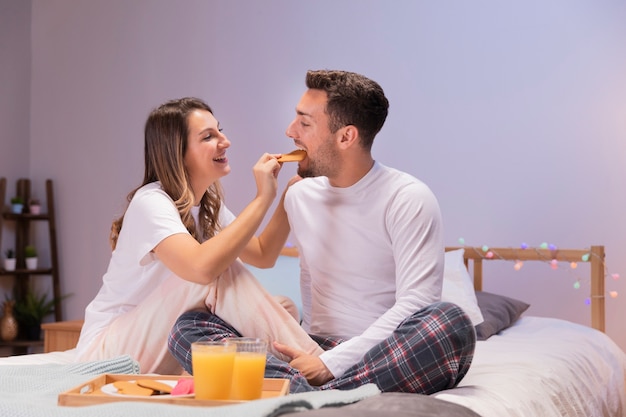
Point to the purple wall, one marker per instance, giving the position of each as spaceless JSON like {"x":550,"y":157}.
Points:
{"x":514,"y":113}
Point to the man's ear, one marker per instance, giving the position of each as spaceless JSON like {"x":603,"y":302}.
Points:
{"x":349,"y":136}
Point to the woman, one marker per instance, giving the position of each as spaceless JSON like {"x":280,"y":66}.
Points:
{"x":176,"y":247}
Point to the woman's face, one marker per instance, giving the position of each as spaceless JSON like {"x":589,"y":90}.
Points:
{"x":205,"y":158}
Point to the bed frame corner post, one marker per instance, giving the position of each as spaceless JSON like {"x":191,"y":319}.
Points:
{"x":478,"y":274}
{"x":597,"y":288}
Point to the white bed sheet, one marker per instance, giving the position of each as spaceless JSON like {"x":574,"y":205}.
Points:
{"x":544,"y":367}
{"x":61,"y":358}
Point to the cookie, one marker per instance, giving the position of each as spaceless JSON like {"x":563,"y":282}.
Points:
{"x":131,"y":388}
{"x":155,"y":385}
{"x":293,"y":156}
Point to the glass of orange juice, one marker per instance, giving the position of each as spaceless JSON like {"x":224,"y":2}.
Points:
{"x":249,"y":368}
{"x":212,"y":365}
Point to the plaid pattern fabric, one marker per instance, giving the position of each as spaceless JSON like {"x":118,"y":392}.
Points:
{"x":430,"y":351}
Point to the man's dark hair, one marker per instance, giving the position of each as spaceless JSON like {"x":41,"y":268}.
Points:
{"x":352,"y":100}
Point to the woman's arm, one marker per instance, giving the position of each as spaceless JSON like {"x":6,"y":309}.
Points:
{"x":203,"y":262}
{"x":262,"y":251}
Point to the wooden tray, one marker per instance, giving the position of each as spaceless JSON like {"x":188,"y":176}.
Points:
{"x":89,"y":393}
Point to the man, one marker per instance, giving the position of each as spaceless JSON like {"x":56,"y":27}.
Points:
{"x":371,"y":254}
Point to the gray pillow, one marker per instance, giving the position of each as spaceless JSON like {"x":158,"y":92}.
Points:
{"x":498,"y":311}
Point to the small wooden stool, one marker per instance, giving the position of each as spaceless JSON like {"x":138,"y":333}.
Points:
{"x":61,"y":335}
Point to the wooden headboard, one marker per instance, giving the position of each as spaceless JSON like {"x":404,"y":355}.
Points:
{"x":595,"y":256}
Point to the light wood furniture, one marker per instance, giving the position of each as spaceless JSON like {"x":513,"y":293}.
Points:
{"x":595,"y":257}
{"x":61,"y":335}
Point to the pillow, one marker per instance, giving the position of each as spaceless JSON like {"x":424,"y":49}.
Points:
{"x":458,"y":286}
{"x":499,"y":313}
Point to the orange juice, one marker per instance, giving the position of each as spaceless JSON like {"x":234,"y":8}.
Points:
{"x":212,"y":366}
{"x":248,"y":372}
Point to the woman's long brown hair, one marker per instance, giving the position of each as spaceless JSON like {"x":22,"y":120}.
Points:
{"x":165,"y":144}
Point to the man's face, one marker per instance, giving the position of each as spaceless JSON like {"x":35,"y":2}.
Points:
{"x":309,"y":131}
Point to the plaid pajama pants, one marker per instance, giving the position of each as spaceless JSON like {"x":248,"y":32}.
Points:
{"x":429,"y":351}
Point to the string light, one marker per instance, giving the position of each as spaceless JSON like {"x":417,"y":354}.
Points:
{"x":554,"y":263}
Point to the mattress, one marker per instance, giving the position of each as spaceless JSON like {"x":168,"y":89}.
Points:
{"x":544,"y":367}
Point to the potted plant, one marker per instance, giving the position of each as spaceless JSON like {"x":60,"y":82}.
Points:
{"x":9,"y":260}
{"x":17,"y":204}
{"x":30,"y":253}
{"x":31,"y":311}
{"x":34,"y":206}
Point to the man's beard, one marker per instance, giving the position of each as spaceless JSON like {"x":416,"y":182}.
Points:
{"x":306,"y":173}
{"x":329,"y":166}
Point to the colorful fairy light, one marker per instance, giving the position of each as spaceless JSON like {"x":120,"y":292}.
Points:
{"x":490,"y":254}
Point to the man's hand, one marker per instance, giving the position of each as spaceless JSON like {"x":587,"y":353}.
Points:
{"x":310,"y":366}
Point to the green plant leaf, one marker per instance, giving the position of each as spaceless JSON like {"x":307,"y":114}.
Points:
{"x":33,"y":308}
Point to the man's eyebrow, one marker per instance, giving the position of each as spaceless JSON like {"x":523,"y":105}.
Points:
{"x":301,"y":113}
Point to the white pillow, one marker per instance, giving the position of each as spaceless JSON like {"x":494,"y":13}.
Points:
{"x":458,"y":287}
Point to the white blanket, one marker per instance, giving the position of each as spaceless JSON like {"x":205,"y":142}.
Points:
{"x":544,"y":367}
{"x":64,"y":357}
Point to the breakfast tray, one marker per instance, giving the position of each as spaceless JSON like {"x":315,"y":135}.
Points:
{"x":90,"y":393}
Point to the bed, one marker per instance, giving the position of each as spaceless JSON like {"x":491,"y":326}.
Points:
{"x":523,"y":366}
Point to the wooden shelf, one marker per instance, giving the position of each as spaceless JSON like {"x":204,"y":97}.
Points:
{"x":21,"y":343}
{"x":25,"y":216}
{"x":22,"y":275}
{"x":21,"y":347}
{"x":23,"y":271}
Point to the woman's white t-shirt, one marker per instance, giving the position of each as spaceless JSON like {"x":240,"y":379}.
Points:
{"x":134,"y":271}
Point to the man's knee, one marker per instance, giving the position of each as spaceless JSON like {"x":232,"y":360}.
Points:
{"x":453,"y":322}
{"x":288,"y":304}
